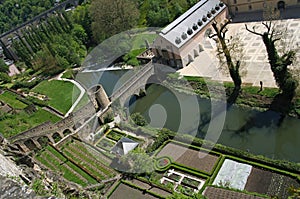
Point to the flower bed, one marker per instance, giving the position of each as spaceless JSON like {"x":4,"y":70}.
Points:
{"x":163,"y":163}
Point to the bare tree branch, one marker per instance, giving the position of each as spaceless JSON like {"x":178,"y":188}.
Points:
{"x":252,"y":31}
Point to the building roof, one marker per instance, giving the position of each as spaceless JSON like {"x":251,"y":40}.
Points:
{"x":192,"y":21}
{"x":124,"y":146}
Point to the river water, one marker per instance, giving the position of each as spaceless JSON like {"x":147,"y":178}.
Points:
{"x":244,"y":128}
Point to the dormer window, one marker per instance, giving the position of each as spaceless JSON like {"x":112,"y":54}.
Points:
{"x":195,"y":27}
{"x":217,"y":7}
{"x":184,"y":36}
{"x":204,"y":18}
{"x":221,"y":4}
{"x":189,"y":31}
{"x":200,"y":22}
{"x":177,"y":40}
{"x":213,"y":11}
{"x":209,"y":15}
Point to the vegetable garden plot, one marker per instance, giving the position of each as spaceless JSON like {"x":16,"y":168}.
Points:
{"x":125,"y":191}
{"x":195,"y":159}
{"x":270,"y":183}
{"x":213,"y":192}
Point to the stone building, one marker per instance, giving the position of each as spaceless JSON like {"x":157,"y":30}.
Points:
{"x":180,"y":42}
{"x":242,"y":6}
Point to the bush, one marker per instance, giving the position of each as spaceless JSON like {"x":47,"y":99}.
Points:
{"x":138,"y":119}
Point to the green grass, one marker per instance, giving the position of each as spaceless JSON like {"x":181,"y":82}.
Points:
{"x":68,"y":74}
{"x":21,"y":121}
{"x":84,"y":100}
{"x":139,"y":40}
{"x":61,"y":94}
{"x":11,"y":99}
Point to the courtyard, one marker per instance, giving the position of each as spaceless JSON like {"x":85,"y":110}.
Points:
{"x":255,"y":67}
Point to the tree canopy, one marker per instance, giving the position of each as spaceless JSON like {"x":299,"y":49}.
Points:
{"x":16,"y":12}
{"x":112,"y":17}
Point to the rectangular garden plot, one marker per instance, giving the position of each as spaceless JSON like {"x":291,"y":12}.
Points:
{"x":88,"y":159}
{"x":195,"y":159}
{"x":270,"y":183}
{"x":213,"y":192}
{"x":125,"y":191}
{"x":56,"y":162}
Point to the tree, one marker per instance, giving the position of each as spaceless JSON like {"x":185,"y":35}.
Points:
{"x":138,"y":119}
{"x":228,"y":49}
{"x":138,"y":162}
{"x":279,"y":62}
{"x":3,"y":67}
{"x":112,"y":17}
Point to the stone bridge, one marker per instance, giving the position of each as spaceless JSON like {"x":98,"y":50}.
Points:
{"x":7,"y":37}
{"x":134,"y":85}
{"x":83,"y":120}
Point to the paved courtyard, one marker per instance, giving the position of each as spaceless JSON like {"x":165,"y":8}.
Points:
{"x":255,"y":62}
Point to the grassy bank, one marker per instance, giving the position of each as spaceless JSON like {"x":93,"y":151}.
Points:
{"x":250,"y":96}
{"x":61,"y":94}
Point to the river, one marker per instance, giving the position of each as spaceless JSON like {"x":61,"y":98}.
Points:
{"x":167,"y":108}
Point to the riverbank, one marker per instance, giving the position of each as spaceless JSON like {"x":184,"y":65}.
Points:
{"x":249,"y":96}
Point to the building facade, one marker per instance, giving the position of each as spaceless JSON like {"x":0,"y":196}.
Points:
{"x":180,"y":42}
{"x":242,"y":6}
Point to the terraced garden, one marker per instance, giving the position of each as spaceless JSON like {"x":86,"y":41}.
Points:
{"x":55,"y":161}
{"x":92,"y":161}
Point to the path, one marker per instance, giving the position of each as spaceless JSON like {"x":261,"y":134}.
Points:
{"x":82,"y":91}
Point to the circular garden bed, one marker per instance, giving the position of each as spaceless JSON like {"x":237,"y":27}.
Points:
{"x":163,"y":163}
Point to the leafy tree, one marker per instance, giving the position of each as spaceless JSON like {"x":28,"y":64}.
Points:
{"x":227,"y":50}
{"x":138,"y":119}
{"x":79,"y":33}
{"x":138,"y":162}
{"x":112,"y":17}
{"x":279,"y":62}
{"x":3,"y":67}
{"x":4,"y":77}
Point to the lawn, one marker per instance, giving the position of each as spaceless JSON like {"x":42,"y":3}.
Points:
{"x":21,"y":121}
{"x":139,"y":40}
{"x":61,"y":94}
{"x":11,"y":99}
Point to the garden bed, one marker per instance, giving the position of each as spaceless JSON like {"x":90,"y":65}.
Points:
{"x":191,"y":158}
{"x":125,"y":191}
{"x":270,"y":183}
{"x":213,"y":192}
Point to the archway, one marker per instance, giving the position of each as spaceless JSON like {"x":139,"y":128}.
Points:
{"x":30,"y":144}
{"x":281,"y":5}
{"x":67,"y":132}
{"x":44,"y":140}
{"x":56,"y":137}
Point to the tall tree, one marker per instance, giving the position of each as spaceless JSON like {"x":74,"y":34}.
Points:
{"x":227,"y":49}
{"x":112,"y":17}
{"x":279,"y":62}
